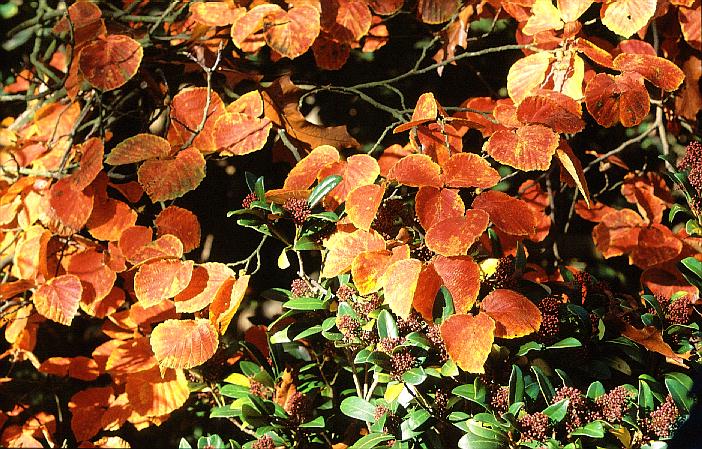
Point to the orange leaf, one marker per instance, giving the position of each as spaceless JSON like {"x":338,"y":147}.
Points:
{"x":151,"y":394}
{"x":666,"y":280}
{"x":166,"y":246}
{"x":469,"y":170}
{"x":362,"y":204}
{"x":105,"y":306}
{"x":30,"y":253}
{"x":58,"y":299}
{"x":358,"y":170}
{"x":227,"y":301}
{"x":461,"y":276}
{"x":416,"y":170}
{"x":240,"y":134}
{"x":510,"y":215}
{"x":187,"y":110}
{"x":85,"y":22}
{"x":109,"y":219}
{"x":613,"y":99}
{"x":390,"y":156}
{"x":304,"y":173}
{"x":202,"y":289}
{"x":167,"y":179}
{"x":92,"y":152}
{"x":291,"y":33}
{"x":514,"y":314}
{"x":438,"y":141}
{"x":69,"y":207}
{"x":617,"y":233}
{"x":469,"y":340}
{"x":528,"y":148}
{"x":433,"y":205}
{"x":399,"y":285}
{"x":131,"y":356}
{"x":571,"y":164}
{"x":385,"y":7}
{"x":426,"y":110}
{"x":347,"y":20}
{"x":454,"y":236}
{"x":626,"y":17}
{"x":97,"y":279}
{"x":184,"y":343}
{"x":179,"y":222}
{"x":571,"y":10}
{"x":343,"y":247}
{"x":553,"y":109}
{"x":657,"y":244}
{"x":162,"y":279}
{"x":659,"y":71}
{"x":651,"y":338}
{"x":139,"y":148}
{"x":650,"y":194}
{"x":437,"y":11}
{"x":368,"y":268}
{"x":330,"y":54}
{"x":214,"y":14}
{"x":526,"y":75}
{"x":109,"y":62}
{"x":544,"y":17}
{"x":428,"y":286}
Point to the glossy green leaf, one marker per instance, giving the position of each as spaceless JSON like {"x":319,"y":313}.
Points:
{"x":593,"y":429}
{"x":387,"y":327}
{"x":358,"y":408}
{"x":320,"y":191}
{"x":516,"y":385}
{"x":558,"y":410}
{"x":372,"y":440}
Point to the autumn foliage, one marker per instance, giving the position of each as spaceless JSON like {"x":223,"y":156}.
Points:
{"x":517,"y":266}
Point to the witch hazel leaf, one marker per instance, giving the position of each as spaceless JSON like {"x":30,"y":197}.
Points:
{"x":205,"y":281}
{"x":432,"y":205}
{"x":291,"y":33}
{"x":428,"y":285}
{"x":626,"y":17}
{"x":179,"y":222}
{"x":227,"y":301}
{"x":304,"y":173}
{"x":527,"y":148}
{"x":659,"y":71}
{"x":468,"y":340}
{"x":362,"y":204}
{"x":469,"y":170}
{"x":514,"y":314}
{"x":454,"y":236}
{"x":553,"y":109}
{"x":183,"y":344}
{"x":161,"y":279}
{"x":368,"y":268}
{"x":167,"y":179}
{"x":58,"y":298}
{"x":461,"y":276}
{"x":139,"y":148}
{"x":416,"y":170}
{"x":575,"y":175}
{"x":510,"y":215}
{"x":400,"y":283}
{"x":343,"y":247}
{"x":425,"y":111}
{"x":613,"y":99}
{"x":69,"y":207}
{"x":186,"y":115}
{"x":109,"y":62}
{"x":358,"y":170}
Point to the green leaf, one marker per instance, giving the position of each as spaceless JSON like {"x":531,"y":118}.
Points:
{"x":677,"y":208}
{"x":316,"y":423}
{"x":558,"y":410}
{"x":260,"y":189}
{"x":417,"y":417}
{"x":593,"y":429}
{"x":449,"y":369}
{"x":250,"y":180}
{"x":545,"y":386}
{"x":304,"y":303}
{"x":21,"y":37}
{"x":234,"y":391}
{"x":210,"y":442}
{"x":372,"y":440}
{"x":479,"y":437}
{"x":326,"y":216}
{"x":387,"y":327}
{"x":695,"y":266}
{"x":679,"y":386}
{"x":445,"y":301}
{"x":516,"y":385}
{"x":569,"y":342}
{"x":306,"y":244}
{"x":595,"y":390}
{"x":645,"y":399}
{"x":321,"y":190}
{"x":316,"y":329}
{"x":528,"y":347}
{"x":414,"y":376}
{"x":358,"y":408}
{"x":183,"y":444}
{"x":224,"y":412}
{"x":521,"y":259}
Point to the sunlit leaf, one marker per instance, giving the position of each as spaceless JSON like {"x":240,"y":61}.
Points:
{"x":161,"y":279}
{"x":70,"y":207}
{"x":432,"y":205}
{"x":205,"y":281}
{"x":358,"y":170}
{"x":469,"y":170}
{"x":661,"y":72}
{"x":572,"y":166}
{"x":626,"y":17}
{"x":343,"y":247}
{"x":651,"y":338}
{"x":139,"y":148}
{"x":530,"y":147}
{"x":227,"y":301}
{"x":416,"y":170}
{"x":362,"y":204}
{"x":454,"y":236}
{"x":526,"y":75}
{"x":399,"y":285}
{"x":187,"y":109}
{"x":514,"y":314}
{"x":291,"y":33}
{"x":304,"y":173}
{"x":109,"y":62}
{"x":469,"y":340}
{"x":151,"y":394}
{"x":109,"y":219}
{"x":184,"y":343}
{"x":461,"y":276}
{"x":167,"y":179}
{"x":553,"y":109}
{"x":613,"y":99}
{"x":213,"y":14}
{"x":510,"y":215}
{"x":180,"y":222}
{"x":58,"y":298}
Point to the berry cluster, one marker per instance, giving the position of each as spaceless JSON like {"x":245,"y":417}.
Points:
{"x":580,"y":410}
{"x":380,"y":410}
{"x":434,"y":336}
{"x":613,"y":405}
{"x":297,"y":407}
{"x":663,"y":420}
{"x":366,"y":304}
{"x":413,"y":323}
{"x":678,"y":311}
{"x":549,"y":307}
{"x":298,"y":208}
{"x":345,"y":293}
{"x":503,"y":277}
{"x":349,"y":327}
{"x":401,"y":362}
{"x":258,"y":389}
{"x":534,"y":426}
{"x":388,"y":344}
{"x":391,"y":216}
{"x":299,"y":288}
{"x":265,"y":442}
{"x":441,"y":399}
{"x":693,"y":161}
{"x":499,"y":399}
{"x":248,"y":199}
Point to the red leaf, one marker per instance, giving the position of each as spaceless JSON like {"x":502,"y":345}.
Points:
{"x":239,"y":134}
{"x":469,"y":340}
{"x":58,"y":299}
{"x":469,"y":170}
{"x":161,"y":280}
{"x":109,"y":62}
{"x":343,"y":247}
{"x":572,"y":170}
{"x":184,"y":343}
{"x":416,"y":170}
{"x":454,"y":236}
{"x":553,"y":109}
{"x":613,"y":99}
{"x":70,"y":207}
{"x":527,"y":148}
{"x":368,"y":268}
{"x":617,"y":233}
{"x":291,"y":33}
{"x":179,"y":222}
{"x":91,"y":154}
{"x":358,"y":170}
{"x":510,"y":215}
{"x":362,"y":204}
{"x":428,"y":285}
{"x":657,"y":244}
{"x":346,"y":20}
{"x":330,"y":54}
{"x":461,"y":276}
{"x":187,"y":110}
{"x":432,"y":205}
{"x":109,"y":219}
{"x":436,"y":11}
{"x":514,"y":314}
{"x":139,"y":148}
{"x":227,"y":301}
{"x":661,"y":72}
{"x":206,"y":280}
{"x":97,"y":279}
{"x":651,"y":338}
{"x":167,"y":179}
{"x":425,"y":111}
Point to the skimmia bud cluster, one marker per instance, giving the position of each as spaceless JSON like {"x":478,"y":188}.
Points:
{"x":613,"y":405}
{"x":298,"y":208}
{"x":579,"y":407}
{"x":534,"y":426}
{"x":663,"y":421}
{"x":299,"y":288}
{"x":549,"y":307}
{"x":248,"y":199}
{"x":265,"y":442}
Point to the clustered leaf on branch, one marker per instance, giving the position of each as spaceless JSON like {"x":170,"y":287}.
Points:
{"x":435,"y":304}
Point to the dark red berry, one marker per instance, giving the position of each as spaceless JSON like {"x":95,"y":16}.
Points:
{"x":248,"y":199}
{"x":534,"y":427}
{"x":299,"y":287}
{"x":298,"y":208}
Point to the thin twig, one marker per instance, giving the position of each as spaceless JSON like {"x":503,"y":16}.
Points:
{"x":621,"y":147}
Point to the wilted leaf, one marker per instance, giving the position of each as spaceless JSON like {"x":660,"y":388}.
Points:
{"x":179,"y":222}
{"x":514,"y":314}
{"x":184,"y":343}
{"x":469,"y":340}
{"x":161,"y":279}
{"x":58,"y":298}
{"x":330,"y":54}
{"x":529,"y":147}
{"x":651,"y":338}
{"x":461,"y":276}
{"x":510,"y":215}
{"x":454,"y":236}
{"x":362,"y":204}
{"x":167,"y":179}
{"x":571,"y":164}
{"x":109,"y":62}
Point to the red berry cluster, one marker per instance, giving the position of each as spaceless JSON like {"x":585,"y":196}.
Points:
{"x":693,"y":161}
{"x":434,"y":336}
{"x":550,"y":326}
{"x":298,"y":208}
{"x":345,"y":293}
{"x":679,"y":310}
{"x":349,"y":327}
{"x":248,"y":199}
{"x":388,"y":344}
{"x":534,"y":427}
{"x":380,"y":410}
{"x":366,"y":304}
{"x":503,"y":277}
{"x":265,"y":442}
{"x":401,"y":362}
{"x":299,"y":287}
{"x":499,"y":400}
{"x":663,"y":420}
{"x":298,"y":407}
{"x":579,"y":408}
{"x":613,"y":405}
{"x":258,"y":389}
{"x":391,"y":216}
{"x":413,"y":323}
{"x":441,"y":399}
